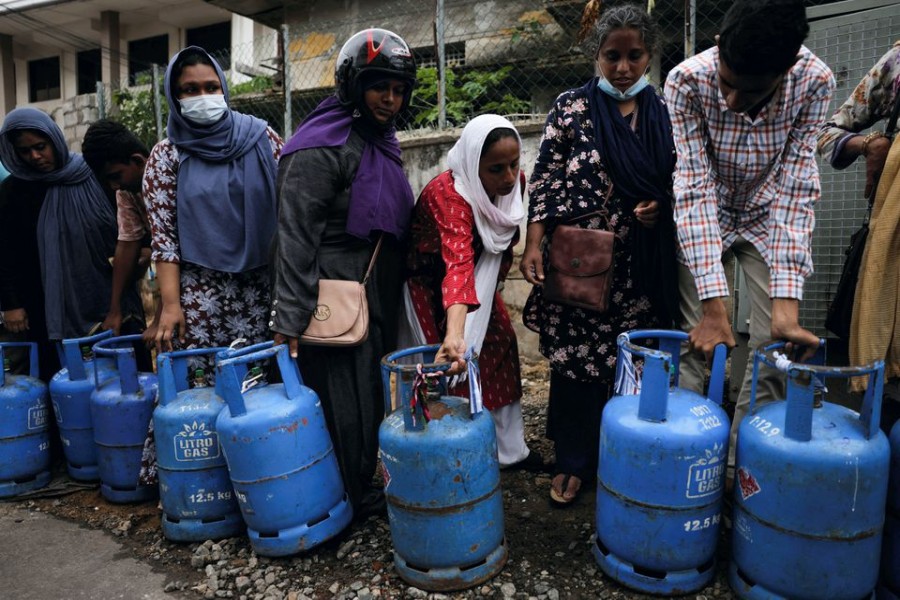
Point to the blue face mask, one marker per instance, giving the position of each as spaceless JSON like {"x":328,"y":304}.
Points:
{"x":628,"y":94}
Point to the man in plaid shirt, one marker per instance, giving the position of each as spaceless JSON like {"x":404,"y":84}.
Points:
{"x":745,"y":115}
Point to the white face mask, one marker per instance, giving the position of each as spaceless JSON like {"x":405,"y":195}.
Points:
{"x":205,"y":109}
{"x":628,"y":94}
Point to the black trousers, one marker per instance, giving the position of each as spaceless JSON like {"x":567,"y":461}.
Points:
{"x":573,"y":423}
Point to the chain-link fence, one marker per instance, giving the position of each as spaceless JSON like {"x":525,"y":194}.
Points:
{"x":254,"y":73}
{"x":512,"y":57}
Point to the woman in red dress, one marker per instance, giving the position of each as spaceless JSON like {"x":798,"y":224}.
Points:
{"x":464,"y":227}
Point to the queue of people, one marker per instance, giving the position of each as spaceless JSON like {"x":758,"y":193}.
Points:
{"x":242,"y":227}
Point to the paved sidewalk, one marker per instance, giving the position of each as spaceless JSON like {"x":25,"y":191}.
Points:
{"x":45,"y":558}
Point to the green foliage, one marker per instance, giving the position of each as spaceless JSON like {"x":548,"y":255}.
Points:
{"x":467,"y":94}
{"x":527,"y":29}
{"x":137,"y":113}
{"x":256,"y":85}
{"x":135,"y":110}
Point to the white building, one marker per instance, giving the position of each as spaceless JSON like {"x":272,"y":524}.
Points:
{"x":54,"y":50}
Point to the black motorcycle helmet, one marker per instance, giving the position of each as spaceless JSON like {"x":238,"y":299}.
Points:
{"x":372,"y":52}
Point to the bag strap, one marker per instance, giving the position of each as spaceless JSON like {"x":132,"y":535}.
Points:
{"x":597,"y":213}
{"x":372,"y":260}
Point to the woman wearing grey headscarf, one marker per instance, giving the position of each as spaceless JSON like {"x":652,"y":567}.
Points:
{"x":57,"y":232}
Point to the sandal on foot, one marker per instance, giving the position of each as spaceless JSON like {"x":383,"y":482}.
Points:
{"x":560,"y":499}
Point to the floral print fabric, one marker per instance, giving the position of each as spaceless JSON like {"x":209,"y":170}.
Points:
{"x":871,"y":101}
{"x":218,"y":307}
{"x":570,"y":181}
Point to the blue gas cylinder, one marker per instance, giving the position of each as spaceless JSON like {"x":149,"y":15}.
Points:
{"x":660,"y":473}
{"x":889,"y":588}
{"x":121,"y":409}
{"x":810,"y":487}
{"x":195,"y":491}
{"x":70,"y":394}
{"x":280,"y":457}
{"x":442,"y":482}
{"x":24,"y":428}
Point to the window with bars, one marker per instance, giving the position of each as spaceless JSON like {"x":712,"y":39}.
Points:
{"x":143,"y":54}
{"x":454,"y":55}
{"x":215,"y":39}
{"x":88,"y":71}
{"x":43,"y":79}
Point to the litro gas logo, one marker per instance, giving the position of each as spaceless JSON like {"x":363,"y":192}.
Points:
{"x":196,"y":442}
{"x":37,"y":417}
{"x":705,"y":474}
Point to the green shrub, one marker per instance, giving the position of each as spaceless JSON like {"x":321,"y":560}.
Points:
{"x":467,"y":94}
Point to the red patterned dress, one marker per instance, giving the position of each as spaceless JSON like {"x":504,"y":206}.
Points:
{"x":445,"y":248}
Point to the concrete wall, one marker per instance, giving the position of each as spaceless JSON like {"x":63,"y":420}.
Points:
{"x":74,"y":116}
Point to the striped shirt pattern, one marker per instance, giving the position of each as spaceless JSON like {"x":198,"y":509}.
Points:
{"x":750,"y":178}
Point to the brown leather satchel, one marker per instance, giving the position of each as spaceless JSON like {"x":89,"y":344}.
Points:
{"x":580,"y":266}
{"x":341,"y":317}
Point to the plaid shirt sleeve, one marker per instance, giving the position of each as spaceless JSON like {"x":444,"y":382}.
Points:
{"x":791,"y":217}
{"x":696,"y":201}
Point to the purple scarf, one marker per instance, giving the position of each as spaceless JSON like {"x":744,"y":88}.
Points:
{"x":380,"y":196}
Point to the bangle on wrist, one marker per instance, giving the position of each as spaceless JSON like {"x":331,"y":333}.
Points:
{"x":873,"y":135}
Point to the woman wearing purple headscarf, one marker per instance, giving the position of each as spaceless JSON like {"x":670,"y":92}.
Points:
{"x":210,"y":194}
{"x":341,"y":188}
{"x":57,"y":232}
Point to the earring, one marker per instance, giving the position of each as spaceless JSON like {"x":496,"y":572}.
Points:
{"x":356,"y":113}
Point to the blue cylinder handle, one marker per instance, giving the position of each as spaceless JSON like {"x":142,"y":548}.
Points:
{"x":172,"y":369}
{"x":71,"y":357}
{"x":389,"y":364}
{"x":33,"y":366}
{"x":125,"y":360}
{"x":242,"y":351}
{"x":801,"y":389}
{"x":659,"y":364}
{"x":227,"y":371}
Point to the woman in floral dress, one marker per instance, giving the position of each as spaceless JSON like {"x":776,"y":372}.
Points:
{"x":210,"y":193}
{"x":607,"y":149}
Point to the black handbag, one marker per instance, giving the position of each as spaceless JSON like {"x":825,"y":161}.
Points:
{"x":840,"y":311}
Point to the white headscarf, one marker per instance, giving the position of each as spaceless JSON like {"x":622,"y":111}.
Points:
{"x":496,"y":223}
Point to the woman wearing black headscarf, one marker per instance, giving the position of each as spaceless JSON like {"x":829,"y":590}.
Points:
{"x":57,"y":232}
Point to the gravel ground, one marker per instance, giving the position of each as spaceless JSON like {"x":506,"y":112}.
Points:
{"x":549,"y":548}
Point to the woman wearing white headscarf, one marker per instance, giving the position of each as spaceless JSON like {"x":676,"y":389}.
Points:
{"x":464,"y":227}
